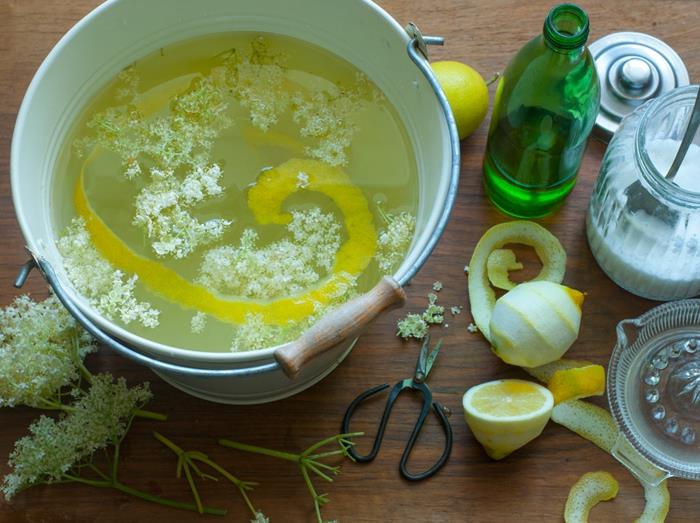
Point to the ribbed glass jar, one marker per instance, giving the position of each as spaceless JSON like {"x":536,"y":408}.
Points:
{"x":644,"y":230}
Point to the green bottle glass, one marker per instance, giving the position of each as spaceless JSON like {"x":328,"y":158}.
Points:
{"x":545,"y":106}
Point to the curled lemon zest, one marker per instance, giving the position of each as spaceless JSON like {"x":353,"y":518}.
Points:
{"x":499,"y":264}
{"x":587,"y":492}
{"x":577,"y":383}
{"x":482,"y":298}
{"x":544,"y":373}
{"x":267,"y":197}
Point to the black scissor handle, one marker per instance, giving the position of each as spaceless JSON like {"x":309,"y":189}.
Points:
{"x":382,"y":423}
{"x":395,"y":391}
{"x":447,"y":428}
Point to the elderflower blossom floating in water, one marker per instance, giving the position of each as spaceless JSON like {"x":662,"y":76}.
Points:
{"x":39,"y":345}
{"x":280,"y":268}
{"x":254,"y":334}
{"x":107,"y":289}
{"x":198,"y":322}
{"x":394,"y":241}
{"x":162,"y":210}
{"x":55,"y":448}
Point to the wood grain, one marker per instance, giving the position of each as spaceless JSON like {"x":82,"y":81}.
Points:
{"x":530,"y":485}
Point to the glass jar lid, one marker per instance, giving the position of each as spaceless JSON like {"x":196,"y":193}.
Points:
{"x":632,"y":68}
{"x":653,"y":386}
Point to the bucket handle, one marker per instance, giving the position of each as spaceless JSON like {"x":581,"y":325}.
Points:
{"x":348,"y":320}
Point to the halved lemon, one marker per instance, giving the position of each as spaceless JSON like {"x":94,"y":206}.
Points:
{"x":504,"y":415}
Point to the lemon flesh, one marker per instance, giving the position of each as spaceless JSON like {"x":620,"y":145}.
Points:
{"x":466,"y":93}
{"x":504,"y":415}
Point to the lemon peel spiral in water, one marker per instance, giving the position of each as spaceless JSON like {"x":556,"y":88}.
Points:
{"x":265,"y":200}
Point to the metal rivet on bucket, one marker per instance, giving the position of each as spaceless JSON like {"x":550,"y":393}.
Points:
{"x":632,"y":68}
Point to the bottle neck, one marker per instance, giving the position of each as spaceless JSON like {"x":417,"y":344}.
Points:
{"x":566,"y":29}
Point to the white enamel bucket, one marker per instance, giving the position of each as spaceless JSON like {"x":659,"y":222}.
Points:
{"x":120,"y":31}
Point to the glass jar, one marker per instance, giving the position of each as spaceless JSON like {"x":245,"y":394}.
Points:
{"x":644,"y":230}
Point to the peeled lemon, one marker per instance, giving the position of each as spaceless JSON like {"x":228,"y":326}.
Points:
{"x":504,"y":415}
{"x":466,"y":92}
{"x":535,"y":323}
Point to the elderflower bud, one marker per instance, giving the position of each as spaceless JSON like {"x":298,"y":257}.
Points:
{"x":39,"y":343}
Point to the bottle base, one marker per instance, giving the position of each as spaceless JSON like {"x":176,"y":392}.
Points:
{"x":518,"y":201}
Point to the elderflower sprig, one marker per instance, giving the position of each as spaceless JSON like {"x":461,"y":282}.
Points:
{"x":308,"y":461}
{"x":41,"y":352}
{"x":63,"y":450}
{"x":187,"y":461}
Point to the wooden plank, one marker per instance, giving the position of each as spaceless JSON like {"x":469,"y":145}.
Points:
{"x":530,"y":485}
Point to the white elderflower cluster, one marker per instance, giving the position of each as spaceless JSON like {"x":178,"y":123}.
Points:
{"x":162,"y":210}
{"x":258,"y":79}
{"x":328,"y":117}
{"x":182,"y":137}
{"x":394,"y":241}
{"x":254,"y":334}
{"x":56,"y":447}
{"x":107,"y":289}
{"x":412,"y":326}
{"x":198,"y":322}
{"x":416,"y":325}
{"x":260,"y":518}
{"x":39,"y":345}
{"x":280,"y":268}
{"x":434,"y":313}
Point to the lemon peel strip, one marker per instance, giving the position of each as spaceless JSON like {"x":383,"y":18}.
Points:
{"x":588,"y":421}
{"x":587,"y":492}
{"x":498,"y":265}
{"x":577,"y":383}
{"x":352,"y":258}
{"x":482,"y":298}
{"x":544,"y":373}
{"x":596,"y":425}
{"x":658,"y":501}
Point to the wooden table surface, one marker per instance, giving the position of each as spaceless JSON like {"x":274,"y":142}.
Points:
{"x":530,"y":485}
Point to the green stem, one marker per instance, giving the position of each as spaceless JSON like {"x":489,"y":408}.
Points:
{"x":193,"y":488}
{"x":167,"y":502}
{"x":165,"y":441}
{"x":310,"y":465}
{"x":97,"y":471}
{"x":79,"y":362}
{"x":143,"y":495}
{"x":327,"y":441}
{"x":147,"y":414}
{"x":495,"y":77}
{"x":259,"y":450}
{"x":312,"y":490}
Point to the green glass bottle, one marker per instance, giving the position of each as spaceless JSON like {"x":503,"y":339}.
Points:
{"x":545,"y":106}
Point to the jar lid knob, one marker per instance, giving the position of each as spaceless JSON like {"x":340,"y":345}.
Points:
{"x":636,"y":73}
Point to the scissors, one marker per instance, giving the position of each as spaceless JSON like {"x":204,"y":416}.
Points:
{"x":416,"y":383}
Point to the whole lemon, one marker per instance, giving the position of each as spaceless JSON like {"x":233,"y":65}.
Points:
{"x":466,"y":92}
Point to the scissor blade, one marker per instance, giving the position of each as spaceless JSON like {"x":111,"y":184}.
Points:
{"x":432,"y":357}
{"x":422,"y":363}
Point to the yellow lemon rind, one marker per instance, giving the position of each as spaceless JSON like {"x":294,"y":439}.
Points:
{"x":498,"y":265}
{"x":482,"y":298}
{"x":586,"y":493}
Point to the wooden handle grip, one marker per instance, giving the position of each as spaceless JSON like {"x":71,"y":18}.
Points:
{"x":346,"y":321}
